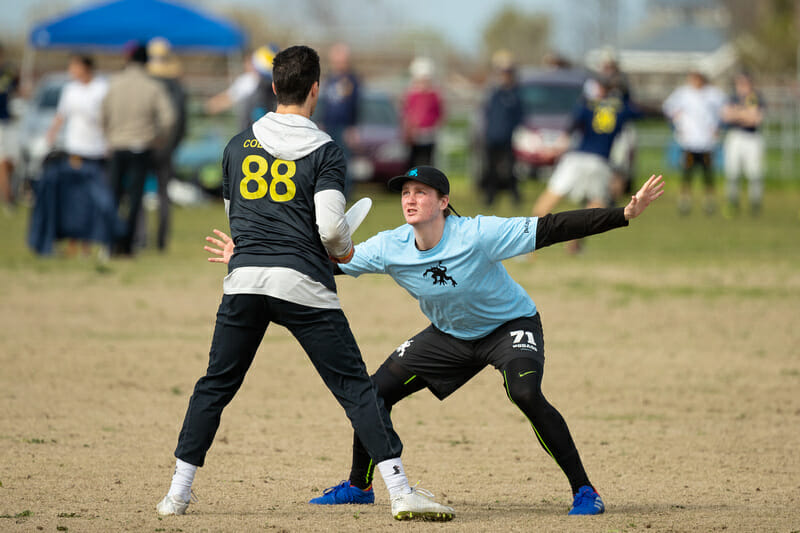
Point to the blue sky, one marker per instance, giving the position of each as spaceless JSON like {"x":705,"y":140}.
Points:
{"x":460,"y":21}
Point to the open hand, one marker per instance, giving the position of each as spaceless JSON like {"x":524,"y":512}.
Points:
{"x":224,"y":250}
{"x":650,"y":191}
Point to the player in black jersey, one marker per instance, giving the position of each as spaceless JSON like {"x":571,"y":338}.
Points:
{"x":283,"y":182}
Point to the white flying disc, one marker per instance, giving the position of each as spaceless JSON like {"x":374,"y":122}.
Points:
{"x":357,"y":213}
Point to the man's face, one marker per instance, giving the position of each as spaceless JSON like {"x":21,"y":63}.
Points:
{"x":340,"y":58}
{"x":77,"y":70}
{"x":696,"y":80}
{"x":421,"y":203}
{"x":743,"y":85}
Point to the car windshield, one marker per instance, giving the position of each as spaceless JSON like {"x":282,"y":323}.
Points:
{"x":373,"y":110}
{"x":378,"y":111}
{"x":48,"y":96}
{"x":550,"y":99}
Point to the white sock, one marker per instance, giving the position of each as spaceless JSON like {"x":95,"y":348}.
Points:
{"x":181,"y":487}
{"x":394,"y":476}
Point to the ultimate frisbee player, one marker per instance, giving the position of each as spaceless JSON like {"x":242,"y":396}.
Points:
{"x":283,"y":182}
{"x":479,"y":315}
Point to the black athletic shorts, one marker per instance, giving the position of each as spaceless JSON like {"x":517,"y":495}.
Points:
{"x":445,"y":362}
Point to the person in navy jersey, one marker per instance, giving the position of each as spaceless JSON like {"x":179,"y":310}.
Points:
{"x":283,"y":182}
{"x":584,"y":173}
{"x":502,"y":113}
{"x":339,"y":96}
{"x":479,"y":315}
{"x":744,"y":143}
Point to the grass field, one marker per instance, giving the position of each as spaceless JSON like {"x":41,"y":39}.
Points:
{"x":673,"y":352}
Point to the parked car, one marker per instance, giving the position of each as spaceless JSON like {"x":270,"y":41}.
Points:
{"x":548,"y":99}
{"x":36,"y":120}
{"x":378,"y":152}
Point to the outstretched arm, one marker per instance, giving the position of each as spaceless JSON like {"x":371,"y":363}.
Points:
{"x":568,"y":225}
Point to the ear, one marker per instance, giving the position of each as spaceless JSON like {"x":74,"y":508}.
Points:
{"x":444,"y":201}
{"x":273,"y":89}
{"x":315,"y":89}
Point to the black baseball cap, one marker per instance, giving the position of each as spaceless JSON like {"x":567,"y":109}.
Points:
{"x":429,"y":176}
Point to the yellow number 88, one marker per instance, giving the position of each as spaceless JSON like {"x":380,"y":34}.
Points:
{"x":263,"y":187}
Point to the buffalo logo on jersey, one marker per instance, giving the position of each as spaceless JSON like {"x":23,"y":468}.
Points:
{"x":439,"y":275}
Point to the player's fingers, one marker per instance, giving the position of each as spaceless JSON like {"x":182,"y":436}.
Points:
{"x":222,"y":235}
{"x":657,"y":181}
{"x":212,"y":250}
{"x":216,"y":242}
{"x":216,"y":260}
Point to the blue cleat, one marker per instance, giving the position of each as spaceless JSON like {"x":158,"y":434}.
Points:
{"x":344,"y":493}
{"x":587,"y":502}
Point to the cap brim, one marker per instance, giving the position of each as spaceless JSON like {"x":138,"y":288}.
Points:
{"x":395,"y":184}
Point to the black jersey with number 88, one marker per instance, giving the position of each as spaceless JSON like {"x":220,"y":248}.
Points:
{"x":272,"y":217}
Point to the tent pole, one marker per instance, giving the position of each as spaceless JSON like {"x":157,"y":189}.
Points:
{"x":26,"y":70}
{"x":234,"y":64}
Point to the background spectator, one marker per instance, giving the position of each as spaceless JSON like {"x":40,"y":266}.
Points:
{"x":694,"y":109}
{"x":166,"y":68}
{"x":9,"y":81}
{"x":423,"y":112}
{"x":502,"y":112}
{"x":137,"y":116}
{"x":744,"y":144}
{"x":251,"y":92}
{"x":339,"y":97}
{"x":79,"y":110}
{"x":585,"y":172}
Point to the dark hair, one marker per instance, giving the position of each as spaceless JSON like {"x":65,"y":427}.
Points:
{"x":138,"y":54}
{"x":83,"y":59}
{"x":294,"y":72}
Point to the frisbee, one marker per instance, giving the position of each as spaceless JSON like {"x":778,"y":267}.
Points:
{"x":357,"y":213}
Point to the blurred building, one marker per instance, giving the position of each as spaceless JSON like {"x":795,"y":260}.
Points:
{"x":680,"y":35}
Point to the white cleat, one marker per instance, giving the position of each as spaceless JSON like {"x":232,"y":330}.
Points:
{"x":419,"y":504}
{"x":172,"y":506}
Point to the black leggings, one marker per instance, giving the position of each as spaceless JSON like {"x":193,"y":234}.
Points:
{"x":324,"y":334}
{"x":522,"y":379}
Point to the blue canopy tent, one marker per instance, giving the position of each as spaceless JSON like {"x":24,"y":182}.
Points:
{"x":113,"y":24}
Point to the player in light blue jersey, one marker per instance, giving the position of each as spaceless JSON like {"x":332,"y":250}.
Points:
{"x":479,"y":315}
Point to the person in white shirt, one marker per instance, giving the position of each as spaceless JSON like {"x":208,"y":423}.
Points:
{"x":79,"y":109}
{"x":78,"y":112}
{"x":695,"y":111}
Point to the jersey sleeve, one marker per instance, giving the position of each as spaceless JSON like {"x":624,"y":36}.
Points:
{"x":502,"y":238}
{"x":331,"y":169}
{"x":367,"y":259}
{"x":577,"y":119}
{"x":568,"y":225}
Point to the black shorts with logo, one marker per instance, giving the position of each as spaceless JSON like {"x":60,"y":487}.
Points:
{"x":445,"y":363}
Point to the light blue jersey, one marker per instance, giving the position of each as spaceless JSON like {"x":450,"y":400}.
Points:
{"x":460,"y":283}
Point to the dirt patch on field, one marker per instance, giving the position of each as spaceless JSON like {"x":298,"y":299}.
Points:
{"x":680,"y":388}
